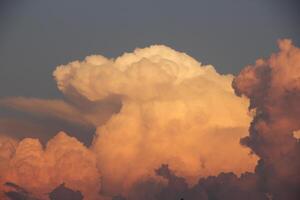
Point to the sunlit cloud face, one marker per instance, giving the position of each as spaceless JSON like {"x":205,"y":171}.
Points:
{"x":296,"y":134}
{"x":40,"y":169}
{"x":174,"y":110}
{"x":272,"y":85}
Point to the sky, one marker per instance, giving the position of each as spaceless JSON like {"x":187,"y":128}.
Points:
{"x":36,"y":36}
{"x":150,"y":100}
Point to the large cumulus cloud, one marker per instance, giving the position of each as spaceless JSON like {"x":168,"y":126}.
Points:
{"x":174,"y":110}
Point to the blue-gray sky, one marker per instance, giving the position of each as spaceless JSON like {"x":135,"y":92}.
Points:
{"x":36,"y":36}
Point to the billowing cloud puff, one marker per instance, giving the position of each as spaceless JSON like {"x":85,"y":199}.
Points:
{"x":174,"y":110}
{"x":225,"y":186}
{"x":63,"y":160}
{"x":296,"y":134}
{"x":273,"y":87}
{"x":7,"y":150}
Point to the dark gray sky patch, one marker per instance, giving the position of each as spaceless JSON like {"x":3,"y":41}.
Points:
{"x":22,"y":125}
{"x":37,"y":36}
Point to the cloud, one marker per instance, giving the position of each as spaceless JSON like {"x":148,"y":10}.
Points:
{"x":63,"y":160}
{"x":273,"y":87}
{"x":81,"y":112}
{"x":16,"y":192}
{"x":225,"y":186}
{"x":8,"y":147}
{"x":174,"y":110}
{"x":63,"y":193}
{"x":296,"y":134}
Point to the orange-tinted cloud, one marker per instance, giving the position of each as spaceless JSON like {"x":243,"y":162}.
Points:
{"x":63,"y":160}
{"x":174,"y":110}
{"x":273,"y":87}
